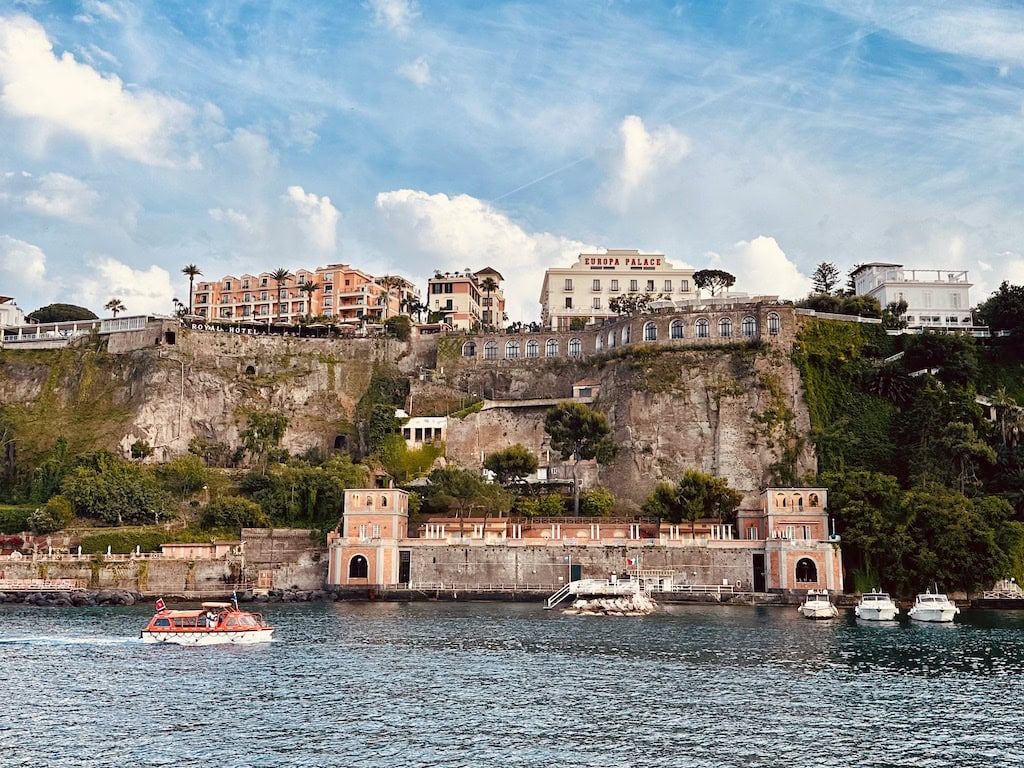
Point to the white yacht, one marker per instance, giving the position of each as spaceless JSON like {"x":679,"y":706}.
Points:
{"x":817,"y":605}
{"x":876,"y":606}
{"x":933,"y":606}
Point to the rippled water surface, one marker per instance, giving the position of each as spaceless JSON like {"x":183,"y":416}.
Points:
{"x":480,"y":684}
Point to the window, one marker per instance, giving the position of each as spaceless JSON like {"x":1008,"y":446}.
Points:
{"x":650,"y":285}
{"x":611,"y":339}
{"x":597,"y":302}
{"x":227,"y":285}
{"x":357,"y":567}
{"x":568,"y":302}
{"x":668,"y":286}
{"x":749,"y":326}
{"x":806,"y":571}
{"x":625,"y":335}
{"x":774,"y":324}
{"x":684,"y":286}
{"x":650,"y":331}
{"x":568,"y":283}
{"x":676,"y":329}
{"x":614,"y":286}
{"x":702,"y":328}
{"x":512,"y":350}
{"x":551,"y":348}
{"x":807,"y":532}
{"x":469,"y":349}
{"x":328,"y":288}
{"x":954,"y":300}
{"x":633,"y":286}
{"x":598,"y":342}
{"x":813,"y":501}
{"x":575,"y":347}
{"x":532,"y":348}
{"x":491,"y":350}
{"x":263,"y":295}
{"x":247,"y":297}
{"x":725,"y":327}
{"x":596,"y":285}
{"x":927,"y":295}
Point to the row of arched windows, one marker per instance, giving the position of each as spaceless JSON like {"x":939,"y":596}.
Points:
{"x":615,"y":337}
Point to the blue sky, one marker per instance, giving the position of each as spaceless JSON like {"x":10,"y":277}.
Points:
{"x":406,"y":136}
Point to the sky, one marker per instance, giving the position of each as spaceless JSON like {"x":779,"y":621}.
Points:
{"x":404,"y":136}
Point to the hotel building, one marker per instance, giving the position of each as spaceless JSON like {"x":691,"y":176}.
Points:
{"x":583,"y":291}
{"x":344,"y":292}
{"x":935,"y":298}
{"x":465,"y":302}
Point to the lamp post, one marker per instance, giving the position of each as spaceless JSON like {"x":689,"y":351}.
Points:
{"x":568,"y":560}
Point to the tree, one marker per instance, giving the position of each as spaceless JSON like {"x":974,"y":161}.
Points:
{"x":579,"y":432}
{"x":388,"y":283}
{"x":825,"y":277}
{"x":630,"y":304}
{"x":512,"y":464}
{"x":280,"y":276}
{"x":1004,"y":311}
{"x":54,"y":515}
{"x":61,"y":313}
{"x":714,"y":280}
{"x":192,"y":272}
{"x":184,"y":476}
{"x":960,"y":443}
{"x":696,"y":496}
{"x":263,"y":433}
{"x":398,"y":326}
{"x":115,"y":491}
{"x":115,"y":305}
{"x":597,"y":502}
{"x":234,"y":512}
{"x":892,"y":315}
{"x":488,"y":285}
{"x":309,"y":288}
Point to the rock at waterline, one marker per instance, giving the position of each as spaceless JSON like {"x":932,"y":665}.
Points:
{"x":634,"y":605}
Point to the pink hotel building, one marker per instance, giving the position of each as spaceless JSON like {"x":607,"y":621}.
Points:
{"x":344,"y":292}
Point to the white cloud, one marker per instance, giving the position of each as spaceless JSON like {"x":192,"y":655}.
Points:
{"x":62,"y":95}
{"x":104,"y":10}
{"x":642,"y":155}
{"x":417,"y":72}
{"x":449,"y":233}
{"x":141,"y":291}
{"x":21,"y":262}
{"x":61,"y":197}
{"x":396,"y":15}
{"x":242,"y":223}
{"x":317,"y":218}
{"x":249,"y":153}
{"x":762,"y":268}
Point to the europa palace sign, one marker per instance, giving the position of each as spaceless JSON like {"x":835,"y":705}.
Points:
{"x":633,"y":262}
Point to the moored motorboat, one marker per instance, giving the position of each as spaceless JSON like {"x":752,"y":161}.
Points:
{"x":933,"y":606}
{"x":876,"y":606}
{"x":212,"y":624}
{"x":817,"y":605}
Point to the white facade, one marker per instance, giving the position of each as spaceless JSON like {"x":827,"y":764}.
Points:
{"x":584,"y":290}
{"x":10,"y":313}
{"x":425,"y":430}
{"x":935,"y":298}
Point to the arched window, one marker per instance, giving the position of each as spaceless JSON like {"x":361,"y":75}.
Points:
{"x":491,"y":350}
{"x":599,"y":342}
{"x":774,"y":323}
{"x":806,"y":571}
{"x":749,"y":326}
{"x":383,"y":501}
{"x":650,"y":331}
{"x":703,"y":328}
{"x":512,"y":350}
{"x":676,"y":329}
{"x":799,"y":501}
{"x":358,"y":568}
{"x":725,"y":327}
{"x":469,"y":349}
{"x":625,"y":335}
{"x":551,"y":348}
{"x":575,"y":347}
{"x":532,"y":348}
{"x":780,"y":500}
{"x":813,"y":501}
{"x":611,"y":339}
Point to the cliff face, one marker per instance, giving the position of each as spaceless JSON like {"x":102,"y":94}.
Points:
{"x":735,"y":411}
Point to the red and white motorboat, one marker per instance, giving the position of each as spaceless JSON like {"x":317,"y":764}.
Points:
{"x":213,"y":624}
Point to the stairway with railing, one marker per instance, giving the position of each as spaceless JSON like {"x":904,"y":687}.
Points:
{"x":593,"y":588}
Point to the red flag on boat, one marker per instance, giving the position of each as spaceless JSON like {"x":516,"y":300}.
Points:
{"x":160,"y":604}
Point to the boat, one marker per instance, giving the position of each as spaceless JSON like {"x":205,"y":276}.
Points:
{"x":876,"y":606}
{"x":212,"y":624}
{"x":933,"y":606}
{"x":817,"y":605}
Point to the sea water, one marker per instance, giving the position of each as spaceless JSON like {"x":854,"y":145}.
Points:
{"x":487,"y":684}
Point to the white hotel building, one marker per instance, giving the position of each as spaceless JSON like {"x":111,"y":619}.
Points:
{"x":583,"y":290}
{"x":935,"y":298}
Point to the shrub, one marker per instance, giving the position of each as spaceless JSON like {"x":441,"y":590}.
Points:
{"x":234,"y":512}
{"x":54,"y":515}
{"x":597,"y":502}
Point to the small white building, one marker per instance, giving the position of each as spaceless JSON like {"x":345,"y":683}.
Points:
{"x":425,"y":430}
{"x":935,"y":298}
{"x":10,"y":312}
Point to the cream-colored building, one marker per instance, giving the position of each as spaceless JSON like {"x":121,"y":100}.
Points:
{"x":465,"y":302}
{"x":583,"y":291}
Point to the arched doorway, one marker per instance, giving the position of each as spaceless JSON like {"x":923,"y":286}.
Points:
{"x":358,"y":567}
{"x":806,"y":571}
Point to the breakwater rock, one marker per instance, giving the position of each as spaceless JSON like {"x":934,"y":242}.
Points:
{"x":78,"y":598}
{"x":632,"y":605}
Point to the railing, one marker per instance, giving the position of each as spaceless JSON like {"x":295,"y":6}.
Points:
{"x":441,"y":586}
{"x":593,"y":587}
{"x":41,"y":585}
{"x":696,"y":589}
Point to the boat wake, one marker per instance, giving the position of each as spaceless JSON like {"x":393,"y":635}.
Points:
{"x":49,"y":640}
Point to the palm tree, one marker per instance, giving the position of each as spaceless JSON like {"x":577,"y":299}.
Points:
{"x":280,"y":276}
{"x":309,"y":288}
{"x":115,"y":306}
{"x":193,"y":272}
{"x":489,"y":284}
{"x":387,"y":283}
